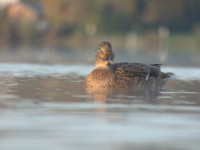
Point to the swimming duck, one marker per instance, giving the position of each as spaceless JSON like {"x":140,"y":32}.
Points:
{"x":109,"y":75}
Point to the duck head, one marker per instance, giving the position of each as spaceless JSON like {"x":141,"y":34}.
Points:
{"x":104,"y":56}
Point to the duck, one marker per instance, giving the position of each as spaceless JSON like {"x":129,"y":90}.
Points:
{"x":109,"y":75}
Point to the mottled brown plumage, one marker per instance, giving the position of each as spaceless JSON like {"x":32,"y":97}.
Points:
{"x":107,"y":75}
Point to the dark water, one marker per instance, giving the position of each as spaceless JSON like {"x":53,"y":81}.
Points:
{"x":46,"y":107}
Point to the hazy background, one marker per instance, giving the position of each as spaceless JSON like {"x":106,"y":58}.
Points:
{"x":153,"y":30}
{"x":47,"y":48}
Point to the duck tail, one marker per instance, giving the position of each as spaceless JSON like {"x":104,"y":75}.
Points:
{"x":166,"y":76}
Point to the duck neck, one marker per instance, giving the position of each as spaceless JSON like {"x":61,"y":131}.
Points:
{"x":99,"y":65}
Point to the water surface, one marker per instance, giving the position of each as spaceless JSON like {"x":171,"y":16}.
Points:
{"x":46,"y":107}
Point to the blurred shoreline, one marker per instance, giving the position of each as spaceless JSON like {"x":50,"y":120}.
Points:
{"x":69,"y":31}
{"x":65,"y":57}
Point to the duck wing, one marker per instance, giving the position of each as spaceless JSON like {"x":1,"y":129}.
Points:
{"x":131,"y":70}
{"x":154,"y":69}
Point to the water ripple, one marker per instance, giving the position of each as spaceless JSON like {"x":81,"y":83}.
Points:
{"x":31,"y":70}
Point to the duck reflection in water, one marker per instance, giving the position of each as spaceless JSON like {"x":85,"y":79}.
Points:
{"x":127,"y":76}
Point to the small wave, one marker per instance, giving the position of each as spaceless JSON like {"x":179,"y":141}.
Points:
{"x":30,"y":70}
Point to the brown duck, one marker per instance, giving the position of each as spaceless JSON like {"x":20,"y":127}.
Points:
{"x":109,"y":75}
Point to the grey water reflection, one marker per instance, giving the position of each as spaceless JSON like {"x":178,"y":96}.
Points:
{"x":47,"y":107}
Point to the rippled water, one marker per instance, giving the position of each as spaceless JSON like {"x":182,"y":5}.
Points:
{"x":46,"y":107}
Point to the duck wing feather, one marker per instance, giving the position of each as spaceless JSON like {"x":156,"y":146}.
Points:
{"x":131,"y":70}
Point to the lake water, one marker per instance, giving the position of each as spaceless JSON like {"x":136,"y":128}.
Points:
{"x":46,"y":107}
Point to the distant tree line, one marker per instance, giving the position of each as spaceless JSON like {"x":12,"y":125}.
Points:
{"x":65,"y":18}
{"x":122,"y":16}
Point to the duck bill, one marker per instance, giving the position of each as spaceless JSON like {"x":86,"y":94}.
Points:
{"x":107,"y":61}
